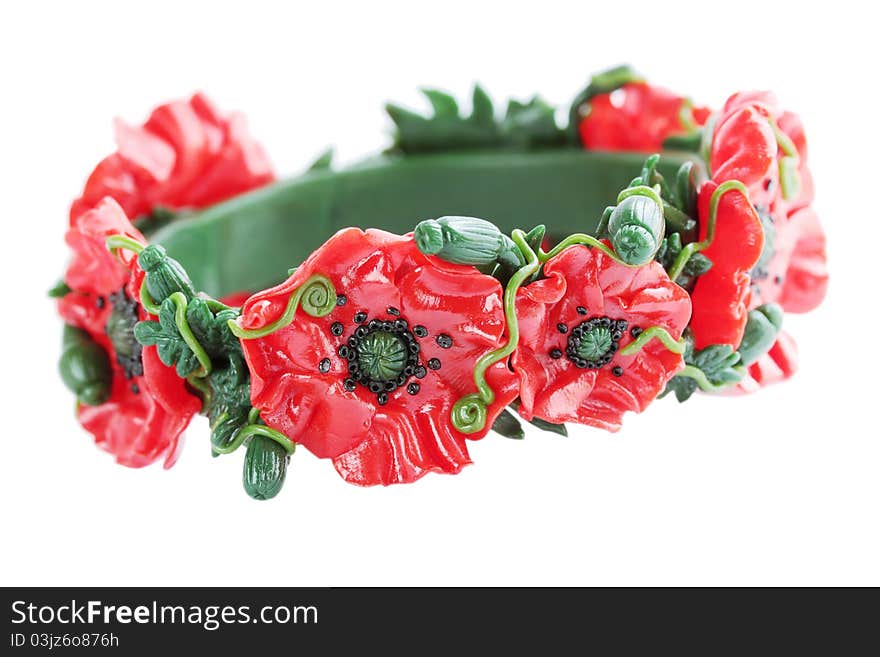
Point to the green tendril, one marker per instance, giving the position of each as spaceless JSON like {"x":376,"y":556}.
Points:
{"x":147,"y":301}
{"x":116,"y":242}
{"x":202,"y":388}
{"x":789,"y":179}
{"x":317,"y":297}
{"x":469,"y":413}
{"x":180,"y":303}
{"x":249,"y":430}
{"x":695,"y":247}
{"x":673,"y":345}
{"x":581,"y":238}
{"x":695,"y":373}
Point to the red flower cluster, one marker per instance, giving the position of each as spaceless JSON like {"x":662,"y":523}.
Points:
{"x":767,"y":248}
{"x":187,"y":155}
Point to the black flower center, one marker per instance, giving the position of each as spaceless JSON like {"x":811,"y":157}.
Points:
{"x":120,"y":330}
{"x":594,"y":342}
{"x":382,"y":355}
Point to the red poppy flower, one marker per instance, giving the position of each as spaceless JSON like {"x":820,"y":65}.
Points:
{"x":187,"y":155}
{"x":637,"y":117}
{"x":148,"y":406}
{"x":573,"y":324}
{"x":372,"y":384}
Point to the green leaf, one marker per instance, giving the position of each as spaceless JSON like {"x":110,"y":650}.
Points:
{"x":212,"y":331}
{"x":59,"y":290}
{"x":717,"y":361}
{"x":323,"y":161}
{"x":526,"y":125}
{"x":444,"y":105}
{"x":508,"y":426}
{"x":482,"y":111}
{"x":531,"y":124}
{"x":230,"y":400}
{"x":170,"y":345}
{"x":697,"y":265}
{"x":544,"y":425}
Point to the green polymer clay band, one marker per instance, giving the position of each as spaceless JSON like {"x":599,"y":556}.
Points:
{"x":251,"y":242}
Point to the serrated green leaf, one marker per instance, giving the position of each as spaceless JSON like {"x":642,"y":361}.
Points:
{"x":531,"y":124}
{"x":212,"y":331}
{"x":697,"y":265}
{"x":170,"y":345}
{"x":230,"y":400}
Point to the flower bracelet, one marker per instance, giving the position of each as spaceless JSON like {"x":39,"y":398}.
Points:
{"x":510,"y":269}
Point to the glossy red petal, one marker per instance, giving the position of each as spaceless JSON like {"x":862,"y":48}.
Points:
{"x":721,"y":296}
{"x":806,"y":278}
{"x":581,"y":284}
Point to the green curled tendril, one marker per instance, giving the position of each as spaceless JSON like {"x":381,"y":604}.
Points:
{"x":116,"y":242}
{"x":673,"y":345}
{"x":695,"y":247}
{"x":652,"y":193}
{"x":316,"y":295}
{"x":469,"y":412}
{"x":249,"y":430}
{"x":695,"y":373}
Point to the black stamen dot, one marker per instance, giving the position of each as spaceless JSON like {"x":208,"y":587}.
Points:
{"x":360,"y":317}
{"x":341,"y":300}
{"x":324,"y":366}
{"x":100,"y":302}
{"x":420,"y":331}
{"x":376,"y":386}
{"x":349,"y":384}
{"x":433,"y":364}
{"x":382,"y":398}
{"x":581,"y":310}
{"x":635,"y":331}
{"x":413,"y":388}
{"x":421,"y":371}
{"x":336,"y":328}
{"x":135,"y":389}
{"x":444,"y":341}
{"x":617,"y":370}
{"x":555,"y":353}
{"x":343,"y":351}
{"x":562,"y":328}
{"x":393,"y":311}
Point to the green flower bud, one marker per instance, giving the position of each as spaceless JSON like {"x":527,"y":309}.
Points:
{"x":265,"y":468}
{"x":165,"y":276}
{"x":636,"y":228}
{"x":85,"y":367}
{"x":465,"y":241}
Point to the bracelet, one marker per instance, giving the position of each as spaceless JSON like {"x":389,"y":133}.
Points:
{"x":486,"y":269}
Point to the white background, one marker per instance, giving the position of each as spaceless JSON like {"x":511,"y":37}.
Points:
{"x":778,"y":488}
